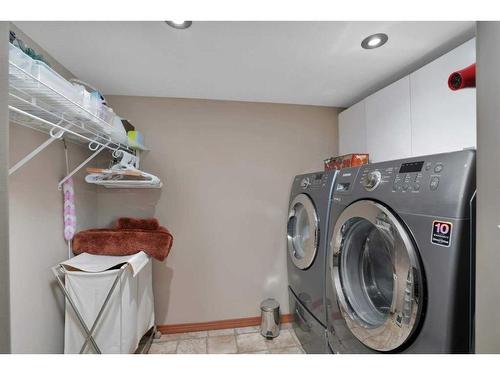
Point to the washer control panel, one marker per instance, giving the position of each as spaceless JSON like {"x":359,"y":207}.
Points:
{"x":410,"y":177}
{"x":439,"y":185}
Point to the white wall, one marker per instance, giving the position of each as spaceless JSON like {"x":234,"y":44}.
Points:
{"x":388,"y":129}
{"x":416,"y":115}
{"x":227,"y":169}
{"x":352,"y":129}
{"x":443,"y":120}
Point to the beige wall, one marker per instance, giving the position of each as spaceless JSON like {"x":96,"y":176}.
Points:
{"x":4,"y":194}
{"x":227,"y":169}
{"x":36,"y":239}
{"x":488,"y":188}
{"x":36,"y":235}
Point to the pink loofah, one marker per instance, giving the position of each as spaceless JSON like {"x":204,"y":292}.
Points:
{"x":69,"y":210}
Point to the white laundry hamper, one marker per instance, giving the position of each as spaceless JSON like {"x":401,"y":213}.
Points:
{"x":129,"y":312}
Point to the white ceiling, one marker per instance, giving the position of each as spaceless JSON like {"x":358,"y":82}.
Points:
{"x":318,"y":63}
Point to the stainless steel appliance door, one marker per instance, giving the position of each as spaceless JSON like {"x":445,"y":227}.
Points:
{"x":302,"y":231}
{"x":376,"y":273}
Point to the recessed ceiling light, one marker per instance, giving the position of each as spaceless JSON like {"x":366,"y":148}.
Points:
{"x":374,"y":41}
{"x":179,"y":24}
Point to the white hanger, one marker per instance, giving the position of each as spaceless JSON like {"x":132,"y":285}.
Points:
{"x":124,"y":174}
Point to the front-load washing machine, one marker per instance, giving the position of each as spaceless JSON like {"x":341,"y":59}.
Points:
{"x":307,"y":232}
{"x":401,"y":255}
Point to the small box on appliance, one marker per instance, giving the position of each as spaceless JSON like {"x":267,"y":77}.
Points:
{"x":346,"y":161}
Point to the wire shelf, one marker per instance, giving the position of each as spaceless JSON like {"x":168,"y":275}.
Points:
{"x":35,"y":105}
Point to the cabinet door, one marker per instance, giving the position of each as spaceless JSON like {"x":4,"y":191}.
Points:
{"x":443,"y":120}
{"x":388,"y":128}
{"x":352,"y":130}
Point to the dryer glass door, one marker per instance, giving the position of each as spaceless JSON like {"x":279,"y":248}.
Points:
{"x":302,"y":231}
{"x":376,"y":274}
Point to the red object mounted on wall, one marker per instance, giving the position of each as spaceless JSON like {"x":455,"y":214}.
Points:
{"x":463,"y":78}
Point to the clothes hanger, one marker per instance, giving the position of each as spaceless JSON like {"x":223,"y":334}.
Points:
{"x":124,"y":174}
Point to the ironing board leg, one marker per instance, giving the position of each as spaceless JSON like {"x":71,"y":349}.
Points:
{"x":73,"y":306}
{"x":103,"y":307}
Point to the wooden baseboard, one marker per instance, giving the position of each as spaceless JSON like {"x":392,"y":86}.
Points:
{"x":218,"y":324}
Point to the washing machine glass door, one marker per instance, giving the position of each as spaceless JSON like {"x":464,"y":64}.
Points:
{"x":376,"y":274}
{"x":302,"y":231}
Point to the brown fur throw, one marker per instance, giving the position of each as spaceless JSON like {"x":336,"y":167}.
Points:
{"x":132,"y":223}
{"x":156,"y":243}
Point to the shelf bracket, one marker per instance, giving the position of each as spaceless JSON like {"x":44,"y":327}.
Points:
{"x":97,"y":151}
{"x":36,"y":151}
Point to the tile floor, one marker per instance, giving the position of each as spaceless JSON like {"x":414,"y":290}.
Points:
{"x":247,"y":340}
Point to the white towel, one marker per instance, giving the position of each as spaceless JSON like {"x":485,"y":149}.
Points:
{"x":99,"y":263}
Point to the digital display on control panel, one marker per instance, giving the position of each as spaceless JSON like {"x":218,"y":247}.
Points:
{"x":318,"y":176}
{"x":415,"y":166}
{"x":342,"y":186}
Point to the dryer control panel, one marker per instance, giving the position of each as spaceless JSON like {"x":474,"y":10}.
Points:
{"x":344,"y":183}
{"x":314,"y":181}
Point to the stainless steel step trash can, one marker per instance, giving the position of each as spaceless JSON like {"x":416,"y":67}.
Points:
{"x":270,"y":313}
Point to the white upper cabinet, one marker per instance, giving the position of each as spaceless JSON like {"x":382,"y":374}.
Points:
{"x":416,"y":115}
{"x":443,"y":120}
{"x":388,"y":129}
{"x":352,"y":130}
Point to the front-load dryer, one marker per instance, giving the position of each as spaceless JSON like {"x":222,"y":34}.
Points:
{"x":401,"y":255}
{"x":307,"y":231}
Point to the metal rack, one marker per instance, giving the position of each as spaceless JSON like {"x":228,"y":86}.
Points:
{"x":58,"y":271}
{"x":35,"y":105}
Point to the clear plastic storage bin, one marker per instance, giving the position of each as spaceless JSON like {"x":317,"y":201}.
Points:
{"x":84,"y":99}
{"x":106,"y":114}
{"x":89,"y":112}
{"x":33,"y":81}
{"x":35,"y":78}
{"x":19,"y":58}
{"x":54,"y":81}
{"x":119,"y":133}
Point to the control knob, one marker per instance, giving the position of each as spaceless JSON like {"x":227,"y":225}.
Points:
{"x":305,"y":183}
{"x":372,"y":180}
